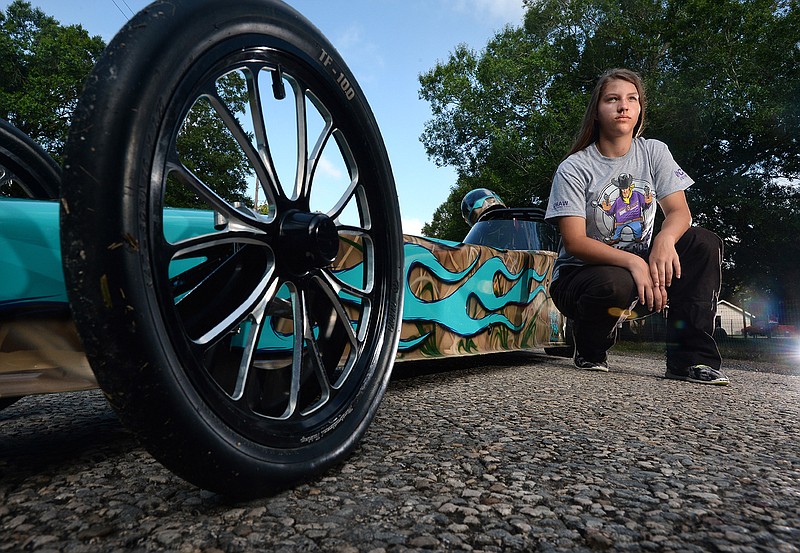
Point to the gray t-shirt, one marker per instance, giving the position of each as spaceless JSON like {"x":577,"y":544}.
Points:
{"x":616,"y":196}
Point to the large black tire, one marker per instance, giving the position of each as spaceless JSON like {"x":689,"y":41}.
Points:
{"x":175,"y":347}
{"x":26,"y":170}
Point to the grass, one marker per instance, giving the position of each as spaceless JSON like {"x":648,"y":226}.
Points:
{"x":769,"y":350}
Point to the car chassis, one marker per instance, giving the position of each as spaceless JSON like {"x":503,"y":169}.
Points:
{"x":248,"y":350}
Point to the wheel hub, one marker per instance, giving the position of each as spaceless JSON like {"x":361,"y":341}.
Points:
{"x":307,"y":240}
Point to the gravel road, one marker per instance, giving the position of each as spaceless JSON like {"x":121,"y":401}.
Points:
{"x":517,"y":452}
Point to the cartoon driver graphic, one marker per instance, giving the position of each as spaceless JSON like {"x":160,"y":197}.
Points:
{"x":627,"y":211}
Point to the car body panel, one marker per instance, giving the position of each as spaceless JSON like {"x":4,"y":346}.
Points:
{"x":40,"y":351}
{"x":459,"y":299}
{"x":466,"y":299}
{"x":30,"y":254}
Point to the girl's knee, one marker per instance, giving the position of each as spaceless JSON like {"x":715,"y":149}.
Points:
{"x":703,"y":240}
{"x":617,"y":291}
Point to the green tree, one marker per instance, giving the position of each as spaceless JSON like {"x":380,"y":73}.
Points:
{"x":493,"y":122}
{"x":43,"y":65}
{"x":723,"y":79}
{"x":211,"y":152}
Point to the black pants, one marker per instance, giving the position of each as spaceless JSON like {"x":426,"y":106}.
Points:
{"x":595,"y":297}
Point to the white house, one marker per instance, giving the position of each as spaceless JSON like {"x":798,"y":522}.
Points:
{"x":732,"y":318}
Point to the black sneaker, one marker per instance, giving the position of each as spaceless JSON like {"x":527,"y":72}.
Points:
{"x":586,"y":365}
{"x":699,"y":374}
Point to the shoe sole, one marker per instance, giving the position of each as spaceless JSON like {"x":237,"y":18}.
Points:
{"x":595,"y":369}
{"x":695,"y":381}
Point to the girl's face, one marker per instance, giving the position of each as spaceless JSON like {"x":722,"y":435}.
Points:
{"x":618,"y":110}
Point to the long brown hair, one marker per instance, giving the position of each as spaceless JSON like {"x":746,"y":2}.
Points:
{"x":590,"y":129}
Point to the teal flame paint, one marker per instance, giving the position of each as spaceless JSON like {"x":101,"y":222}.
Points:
{"x":451,"y":311}
{"x":31,"y":269}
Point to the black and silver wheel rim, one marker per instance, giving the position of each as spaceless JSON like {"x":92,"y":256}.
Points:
{"x":222,"y":293}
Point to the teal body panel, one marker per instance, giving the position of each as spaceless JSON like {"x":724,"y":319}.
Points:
{"x":484,"y":299}
{"x":31,"y":273}
{"x":30,"y":254}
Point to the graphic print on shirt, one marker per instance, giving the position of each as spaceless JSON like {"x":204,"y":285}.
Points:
{"x":623,"y":214}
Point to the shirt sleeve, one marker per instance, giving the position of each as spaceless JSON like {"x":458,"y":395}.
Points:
{"x":568,"y":193}
{"x":668,"y":177}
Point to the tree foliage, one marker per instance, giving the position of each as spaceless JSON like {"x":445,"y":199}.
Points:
{"x":43,"y":66}
{"x":723,"y":81}
{"x":211,"y":152}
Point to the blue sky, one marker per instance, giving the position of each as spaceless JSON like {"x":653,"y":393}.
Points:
{"x":387,"y":44}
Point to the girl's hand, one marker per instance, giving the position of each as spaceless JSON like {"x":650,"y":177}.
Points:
{"x":664,"y":266}
{"x":649,"y":294}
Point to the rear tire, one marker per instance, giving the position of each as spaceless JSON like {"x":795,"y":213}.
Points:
{"x":173,"y":321}
{"x":26,"y":170}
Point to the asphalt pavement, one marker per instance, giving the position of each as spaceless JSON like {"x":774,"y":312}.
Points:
{"x":515,"y":452}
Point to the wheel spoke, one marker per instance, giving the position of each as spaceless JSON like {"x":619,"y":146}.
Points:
{"x":208,"y":253}
{"x":310,"y":166}
{"x":256,"y":318}
{"x":270,"y":187}
{"x":196,"y":245}
{"x":314,"y":358}
{"x":340,"y":286}
{"x":339,"y":331}
{"x":365,"y":276}
{"x":302,"y":184}
{"x":216,"y":202}
{"x":300,"y":322}
{"x":237,"y":282}
{"x":264,"y":168}
{"x":353,"y":189}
